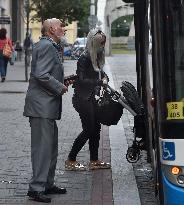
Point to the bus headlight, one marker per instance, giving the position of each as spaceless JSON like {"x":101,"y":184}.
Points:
{"x":175,"y":170}
{"x":180,"y":179}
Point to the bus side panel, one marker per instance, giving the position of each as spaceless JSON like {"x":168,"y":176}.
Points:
{"x":173,"y":195}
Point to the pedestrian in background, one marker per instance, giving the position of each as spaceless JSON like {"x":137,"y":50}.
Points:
{"x":90,"y":78}
{"x":28,"y":42}
{"x":14,"y":54}
{"x":18,"y":49}
{"x":4,"y":59}
{"x":63,"y":43}
{"x":28,"y":46}
{"x":43,"y":106}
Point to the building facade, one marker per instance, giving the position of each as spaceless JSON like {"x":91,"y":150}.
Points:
{"x":71,"y":34}
{"x":18,"y":18}
{"x":15,"y":10}
{"x":107,"y":12}
{"x":5,"y":10}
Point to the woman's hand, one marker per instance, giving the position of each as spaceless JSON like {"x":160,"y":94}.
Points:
{"x":104,"y":81}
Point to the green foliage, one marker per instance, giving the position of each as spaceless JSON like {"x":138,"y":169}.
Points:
{"x":68,"y":10}
{"x":121,"y":26}
{"x":122,"y":51}
{"x":83,"y":26}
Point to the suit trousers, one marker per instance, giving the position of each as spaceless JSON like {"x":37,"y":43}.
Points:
{"x":91,"y":129}
{"x":44,"y":152}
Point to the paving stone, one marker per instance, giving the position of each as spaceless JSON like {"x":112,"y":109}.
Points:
{"x":85,"y":188}
{"x":122,"y":71}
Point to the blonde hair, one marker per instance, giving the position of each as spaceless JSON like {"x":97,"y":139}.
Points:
{"x":95,"y":40}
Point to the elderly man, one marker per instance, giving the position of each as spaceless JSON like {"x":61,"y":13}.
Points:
{"x":43,"y":105}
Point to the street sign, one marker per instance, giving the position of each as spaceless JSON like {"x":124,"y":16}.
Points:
{"x":168,"y":151}
{"x":5,"y":20}
{"x":92,"y":20}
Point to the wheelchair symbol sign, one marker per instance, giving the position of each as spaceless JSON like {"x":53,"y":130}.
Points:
{"x":168,"y":151}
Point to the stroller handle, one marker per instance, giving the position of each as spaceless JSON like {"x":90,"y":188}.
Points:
{"x":119,"y":98}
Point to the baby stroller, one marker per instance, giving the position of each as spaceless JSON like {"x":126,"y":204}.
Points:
{"x":110,"y":109}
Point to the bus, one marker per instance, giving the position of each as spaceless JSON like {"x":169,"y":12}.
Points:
{"x":160,"y":84}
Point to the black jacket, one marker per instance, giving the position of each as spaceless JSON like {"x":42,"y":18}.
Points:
{"x":88,"y":79}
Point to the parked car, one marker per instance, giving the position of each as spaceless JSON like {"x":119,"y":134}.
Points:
{"x":80,"y":42}
{"x":76,"y":53}
{"x":67,"y":51}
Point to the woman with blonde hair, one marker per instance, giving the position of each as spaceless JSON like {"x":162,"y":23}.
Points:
{"x":90,"y":76}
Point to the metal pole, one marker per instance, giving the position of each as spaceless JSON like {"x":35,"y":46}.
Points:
{"x":27,"y":30}
{"x":92,"y":7}
{"x":92,"y":19}
{"x":27,"y":35}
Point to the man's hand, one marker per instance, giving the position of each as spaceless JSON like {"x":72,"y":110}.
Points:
{"x":64,"y":90}
{"x":68,"y":80}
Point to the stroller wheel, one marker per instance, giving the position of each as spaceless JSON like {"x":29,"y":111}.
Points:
{"x":142,"y":144}
{"x":132,"y":155}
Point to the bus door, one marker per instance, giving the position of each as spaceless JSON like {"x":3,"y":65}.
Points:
{"x":169,"y":89}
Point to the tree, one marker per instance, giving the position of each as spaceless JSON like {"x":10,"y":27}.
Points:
{"x":83,"y":25}
{"x":68,"y":10}
{"x":121,"y":26}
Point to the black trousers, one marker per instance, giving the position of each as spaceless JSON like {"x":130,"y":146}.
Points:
{"x":91,"y":129}
{"x":3,"y":65}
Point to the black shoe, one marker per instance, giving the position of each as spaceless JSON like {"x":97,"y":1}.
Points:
{"x":55,"y":190}
{"x":3,"y":79}
{"x":39,"y":196}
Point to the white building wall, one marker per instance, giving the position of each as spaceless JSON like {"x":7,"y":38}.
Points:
{"x":101,"y":12}
{"x":5,"y":8}
{"x":107,"y":12}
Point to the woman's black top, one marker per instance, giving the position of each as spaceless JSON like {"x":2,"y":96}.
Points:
{"x":87,"y":83}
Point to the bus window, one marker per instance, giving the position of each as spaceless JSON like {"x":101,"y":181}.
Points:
{"x":178,"y":23}
{"x":174,"y":48}
{"x":177,"y":4}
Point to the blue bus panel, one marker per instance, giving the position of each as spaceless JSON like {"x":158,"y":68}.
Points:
{"x":173,"y":195}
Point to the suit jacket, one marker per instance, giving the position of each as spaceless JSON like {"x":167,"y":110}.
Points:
{"x":44,"y":98}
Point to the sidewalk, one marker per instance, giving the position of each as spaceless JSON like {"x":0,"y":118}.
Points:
{"x":102,"y":187}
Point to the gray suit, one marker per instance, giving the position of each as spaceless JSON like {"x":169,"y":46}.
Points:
{"x":43,"y":105}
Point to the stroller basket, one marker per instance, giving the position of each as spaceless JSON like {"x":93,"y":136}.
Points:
{"x":129,"y":98}
{"x":108,"y":109}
